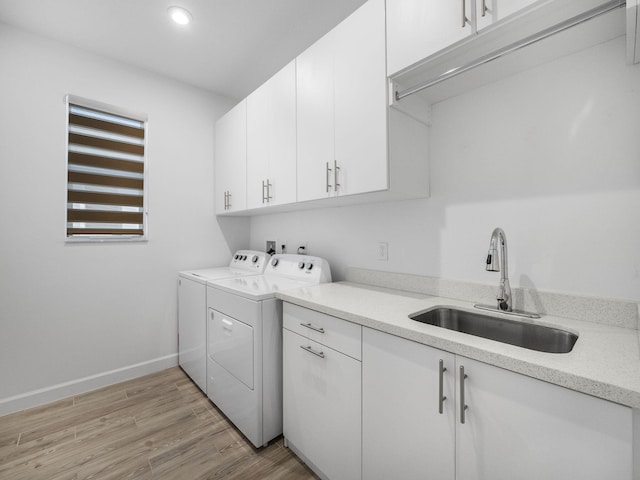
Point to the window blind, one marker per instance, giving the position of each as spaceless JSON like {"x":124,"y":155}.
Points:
{"x":105,"y":174}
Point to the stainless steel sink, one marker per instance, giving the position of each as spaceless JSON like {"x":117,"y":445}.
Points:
{"x":513,"y":332}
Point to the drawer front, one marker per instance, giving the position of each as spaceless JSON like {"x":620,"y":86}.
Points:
{"x":235,"y":306}
{"x":341,"y":335}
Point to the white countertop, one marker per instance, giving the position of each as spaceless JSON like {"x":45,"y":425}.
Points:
{"x":605,"y":361}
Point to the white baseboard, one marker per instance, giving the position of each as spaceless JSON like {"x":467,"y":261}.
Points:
{"x":83,"y":385}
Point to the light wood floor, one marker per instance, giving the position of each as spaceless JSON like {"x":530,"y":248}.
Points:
{"x":160,"y":426}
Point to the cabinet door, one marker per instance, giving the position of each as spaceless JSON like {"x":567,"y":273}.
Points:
{"x":321,"y":405}
{"x":314,"y":84}
{"x":361,"y":101}
{"x":258,"y":143}
{"x":419,"y":28}
{"x":192,"y":330}
{"x":403,"y":433}
{"x":519,"y":427}
{"x":231,"y":159}
{"x":271,"y":141}
{"x":490,"y":11}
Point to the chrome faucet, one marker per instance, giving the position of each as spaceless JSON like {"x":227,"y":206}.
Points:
{"x":498,"y":238}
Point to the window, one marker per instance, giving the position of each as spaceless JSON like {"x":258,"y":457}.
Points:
{"x":106,"y":172}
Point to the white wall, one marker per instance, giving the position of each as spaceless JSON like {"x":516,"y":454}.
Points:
{"x":70,"y":311}
{"x":551,"y":155}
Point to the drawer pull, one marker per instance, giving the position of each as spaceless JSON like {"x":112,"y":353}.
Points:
{"x":313,"y":327}
{"x":311,"y":350}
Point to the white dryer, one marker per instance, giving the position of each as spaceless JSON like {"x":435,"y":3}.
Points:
{"x":192,"y":309}
{"x":244,"y":347}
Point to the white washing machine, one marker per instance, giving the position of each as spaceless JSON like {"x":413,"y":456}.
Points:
{"x":192,"y":309}
{"x":244,"y":347}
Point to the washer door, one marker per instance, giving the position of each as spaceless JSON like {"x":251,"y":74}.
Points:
{"x":231,"y":346}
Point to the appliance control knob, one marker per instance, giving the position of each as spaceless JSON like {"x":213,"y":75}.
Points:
{"x":274,"y":262}
{"x":300,"y":265}
{"x":244,"y":257}
{"x":254,"y":259}
{"x":236,"y":257}
{"x":309,"y":266}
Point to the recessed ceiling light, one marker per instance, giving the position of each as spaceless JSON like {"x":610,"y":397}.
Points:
{"x":180,"y":15}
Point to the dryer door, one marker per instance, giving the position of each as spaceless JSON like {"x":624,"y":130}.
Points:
{"x":230,"y":345}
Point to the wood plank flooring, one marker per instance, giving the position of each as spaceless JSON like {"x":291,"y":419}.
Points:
{"x":158,"y":427}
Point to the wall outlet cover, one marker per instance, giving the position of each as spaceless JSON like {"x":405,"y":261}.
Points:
{"x":271,"y":247}
{"x":383,"y":251}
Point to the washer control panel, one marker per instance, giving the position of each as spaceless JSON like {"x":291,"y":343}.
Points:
{"x":304,"y":267}
{"x":249,"y":260}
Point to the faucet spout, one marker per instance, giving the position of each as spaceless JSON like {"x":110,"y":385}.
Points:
{"x":497,"y":244}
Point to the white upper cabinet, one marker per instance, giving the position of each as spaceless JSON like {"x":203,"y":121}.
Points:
{"x":271,"y":141}
{"x":419,"y":28}
{"x":342,"y":109}
{"x":231,"y":160}
{"x":315,"y":134}
{"x":322,"y":127}
{"x":360,"y":95}
{"x":416,"y":29}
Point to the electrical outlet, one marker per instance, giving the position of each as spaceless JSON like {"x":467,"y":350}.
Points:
{"x":281,"y":246}
{"x":383,"y":251}
{"x":303,"y":248}
{"x":271,"y":247}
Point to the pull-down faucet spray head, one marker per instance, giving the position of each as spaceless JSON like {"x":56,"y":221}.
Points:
{"x":493,"y":262}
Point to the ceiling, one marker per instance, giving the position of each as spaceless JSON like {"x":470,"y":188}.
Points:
{"x":230,"y":48}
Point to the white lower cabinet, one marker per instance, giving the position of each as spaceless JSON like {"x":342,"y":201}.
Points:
{"x":514,"y":426}
{"x":403,"y":433}
{"x":322,"y":395}
{"x":520,"y":427}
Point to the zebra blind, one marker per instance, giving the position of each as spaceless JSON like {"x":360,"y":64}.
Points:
{"x":105,"y":174}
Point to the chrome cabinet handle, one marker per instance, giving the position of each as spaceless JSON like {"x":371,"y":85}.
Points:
{"x":465,"y":20}
{"x":326,"y":178}
{"x":463,"y":405}
{"x":313,"y":327}
{"x":441,"y":397}
{"x":311,"y":350}
{"x":266,"y":187}
{"x":335,"y":175}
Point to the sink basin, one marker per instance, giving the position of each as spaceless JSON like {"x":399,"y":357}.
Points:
{"x":513,"y":332}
